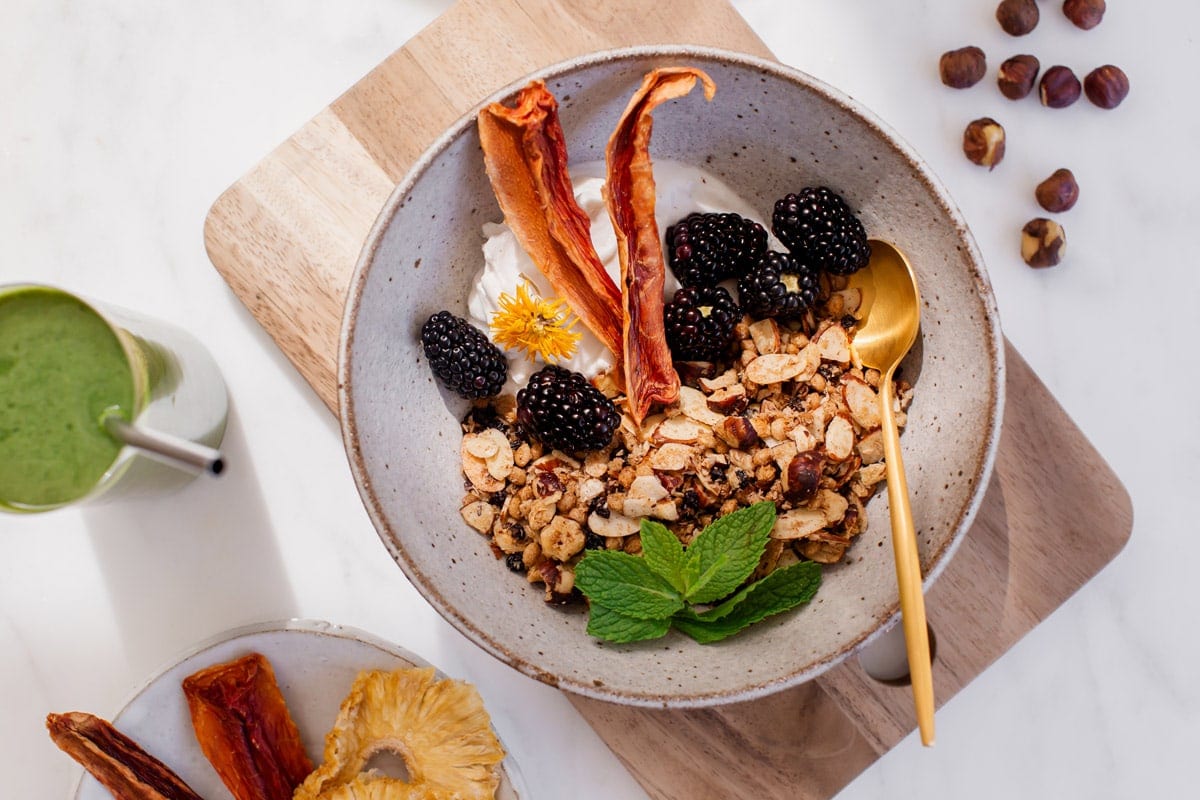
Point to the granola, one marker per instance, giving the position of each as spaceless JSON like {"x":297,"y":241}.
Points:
{"x":793,"y":420}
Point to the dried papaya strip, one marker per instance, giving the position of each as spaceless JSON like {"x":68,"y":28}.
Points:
{"x":526,"y":160}
{"x":244,"y":729}
{"x":118,"y":762}
{"x":649,"y":374}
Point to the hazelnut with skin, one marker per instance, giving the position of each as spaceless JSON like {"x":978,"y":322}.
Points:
{"x":1043,"y":242}
{"x":1017,"y":76}
{"x":1017,"y":17}
{"x":1059,"y":192}
{"x":1085,"y":14}
{"x":1059,"y":87}
{"x":962,"y":68}
{"x":983,"y":142}
{"x":1106,"y":86}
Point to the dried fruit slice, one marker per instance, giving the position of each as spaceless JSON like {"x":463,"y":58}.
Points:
{"x":649,"y":375}
{"x":439,"y":728}
{"x":526,"y":160}
{"x":118,"y":762}
{"x":244,"y":729}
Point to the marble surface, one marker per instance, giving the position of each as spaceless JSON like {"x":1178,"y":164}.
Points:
{"x":122,"y":122}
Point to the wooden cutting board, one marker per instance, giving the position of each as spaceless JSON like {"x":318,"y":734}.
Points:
{"x":287,"y":235}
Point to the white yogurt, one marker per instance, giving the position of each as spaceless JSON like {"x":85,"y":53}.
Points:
{"x":681,"y":190}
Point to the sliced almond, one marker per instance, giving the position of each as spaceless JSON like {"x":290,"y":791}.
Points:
{"x":823,"y":552}
{"x":765,"y":334}
{"x":782,"y":454}
{"x":694,"y":404}
{"x":596,"y":464}
{"x":677,"y":429}
{"x":729,"y":399}
{"x":647,"y":487}
{"x":727,"y":378}
{"x":872,"y":474}
{"x":798,"y":523}
{"x":479,"y":515}
{"x":834,"y":344}
{"x":832,"y":505}
{"x":839,"y":438}
{"x":851,"y":299}
{"x":671,"y":457}
{"x":862,"y":402}
{"x":777,"y":368}
{"x":483,"y":444}
{"x":589,"y":489}
{"x":614,"y":525}
{"x":500,"y":463}
{"x":476,"y":470}
{"x":870,"y":447}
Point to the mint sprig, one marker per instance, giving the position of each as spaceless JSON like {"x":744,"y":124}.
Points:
{"x":637,"y":598}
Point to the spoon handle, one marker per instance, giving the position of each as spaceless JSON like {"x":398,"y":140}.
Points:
{"x":908,"y":568}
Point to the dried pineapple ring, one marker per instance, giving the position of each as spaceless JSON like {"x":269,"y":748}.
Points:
{"x":439,"y":728}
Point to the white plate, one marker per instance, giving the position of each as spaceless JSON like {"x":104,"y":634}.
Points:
{"x":314,"y":663}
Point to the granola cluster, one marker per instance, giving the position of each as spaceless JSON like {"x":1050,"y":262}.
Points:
{"x":794,"y":420}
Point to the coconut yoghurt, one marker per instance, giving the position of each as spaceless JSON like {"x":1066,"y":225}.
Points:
{"x":681,"y":190}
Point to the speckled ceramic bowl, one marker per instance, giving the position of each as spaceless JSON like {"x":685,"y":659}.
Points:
{"x":769,"y":130}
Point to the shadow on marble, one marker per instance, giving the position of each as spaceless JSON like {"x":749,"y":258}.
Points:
{"x":185,"y":566}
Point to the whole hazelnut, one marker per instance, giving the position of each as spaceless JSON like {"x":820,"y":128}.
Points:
{"x":1106,"y":86}
{"x":1017,"y":17}
{"x":1085,"y":14}
{"x":1017,"y":76}
{"x":962,"y":68}
{"x":1059,"y":87}
{"x":1043,"y":242}
{"x":1059,"y":192}
{"x":983,"y":142}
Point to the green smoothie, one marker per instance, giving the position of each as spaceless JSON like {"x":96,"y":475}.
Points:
{"x":61,"y":367}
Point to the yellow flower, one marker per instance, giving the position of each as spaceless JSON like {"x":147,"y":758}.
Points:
{"x":539,"y":327}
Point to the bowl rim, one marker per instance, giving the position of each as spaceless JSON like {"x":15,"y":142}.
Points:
{"x":349,"y":427}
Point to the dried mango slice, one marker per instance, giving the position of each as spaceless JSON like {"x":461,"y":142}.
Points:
{"x":244,"y":729}
{"x":526,"y":160}
{"x":439,"y":728}
{"x":118,"y":762}
{"x":649,"y":373}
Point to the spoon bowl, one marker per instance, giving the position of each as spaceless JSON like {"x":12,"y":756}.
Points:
{"x":890,"y":316}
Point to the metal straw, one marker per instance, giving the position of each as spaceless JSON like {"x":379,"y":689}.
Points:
{"x":164,"y":447}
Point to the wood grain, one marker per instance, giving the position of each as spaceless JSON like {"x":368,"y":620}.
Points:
{"x":287,"y":235}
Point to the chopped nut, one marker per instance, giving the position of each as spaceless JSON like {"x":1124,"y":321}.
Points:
{"x":727,"y":378}
{"x":729,"y":400}
{"x":870,"y":447}
{"x":561,"y":539}
{"x":694,"y":404}
{"x":672,"y":457}
{"x":614,"y":526}
{"x":677,"y":429}
{"x":798,"y":523}
{"x":802,"y":477}
{"x":779,"y":367}
{"x":862,"y":402}
{"x":833,"y":344}
{"x":737,"y":432}
{"x":765,"y":334}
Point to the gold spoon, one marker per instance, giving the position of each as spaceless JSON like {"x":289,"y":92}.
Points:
{"x":889,"y":317}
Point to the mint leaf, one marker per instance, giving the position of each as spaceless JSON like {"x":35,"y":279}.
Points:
{"x":613,"y":626}
{"x":783,"y":589}
{"x":663,"y":553}
{"x":727,"y":551}
{"x":626,"y":583}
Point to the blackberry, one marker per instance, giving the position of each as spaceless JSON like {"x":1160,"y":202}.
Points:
{"x":704,"y":249}
{"x":820,"y":229}
{"x":566,"y":412}
{"x":462,"y":357}
{"x":780,"y":286}
{"x":700,"y":322}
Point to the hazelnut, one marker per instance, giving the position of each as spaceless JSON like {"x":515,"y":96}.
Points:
{"x":983,"y":142}
{"x":1017,"y":17}
{"x":962,"y":68}
{"x":1059,"y":87}
{"x":1058,"y":192}
{"x":1106,"y":86}
{"x":1017,"y":76}
{"x":1043,"y":242}
{"x":1085,"y":14}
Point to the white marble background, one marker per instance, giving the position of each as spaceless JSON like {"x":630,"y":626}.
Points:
{"x":121,"y":122}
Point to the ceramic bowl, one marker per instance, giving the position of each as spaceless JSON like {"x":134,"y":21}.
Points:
{"x":770,"y":130}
